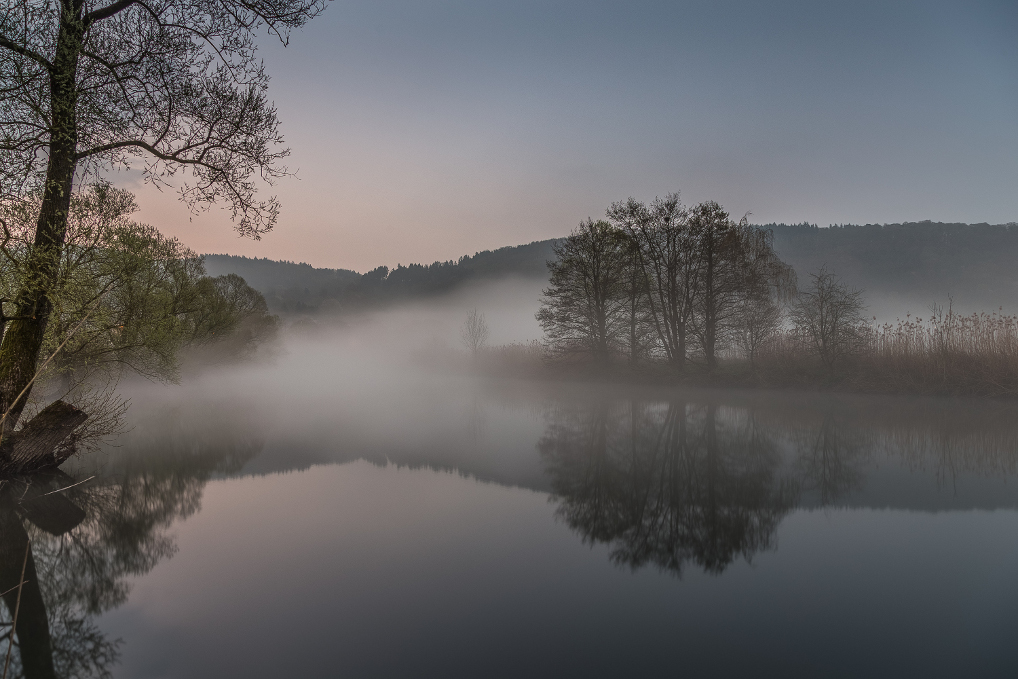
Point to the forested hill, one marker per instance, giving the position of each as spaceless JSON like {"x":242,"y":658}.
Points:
{"x":911,"y":265}
{"x":290,"y":287}
{"x":901,"y":267}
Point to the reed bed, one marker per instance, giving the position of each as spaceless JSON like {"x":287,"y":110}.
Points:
{"x":944,"y":353}
{"x":947,"y":353}
{"x":515,"y":358}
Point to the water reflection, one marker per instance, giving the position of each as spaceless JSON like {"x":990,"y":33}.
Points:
{"x":666,"y":480}
{"x":672,"y":482}
{"x":665,"y":484}
{"x":79,"y":542}
{"x":831,"y":460}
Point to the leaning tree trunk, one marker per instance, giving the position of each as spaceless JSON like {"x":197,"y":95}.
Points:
{"x":22,"y":341}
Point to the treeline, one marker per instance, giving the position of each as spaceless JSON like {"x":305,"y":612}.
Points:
{"x":908,"y":266}
{"x":901,"y":267}
{"x":688,"y":293}
{"x":301,"y":288}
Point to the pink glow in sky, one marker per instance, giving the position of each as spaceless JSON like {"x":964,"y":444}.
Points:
{"x":424,"y":131}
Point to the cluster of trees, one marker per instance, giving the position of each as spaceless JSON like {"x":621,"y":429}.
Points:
{"x":664,"y":281}
{"x":124,"y":296}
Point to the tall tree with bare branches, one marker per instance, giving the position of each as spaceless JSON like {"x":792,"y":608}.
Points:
{"x":585,"y":307}
{"x":738,"y":267}
{"x":91,"y":85}
{"x":828,"y":317}
{"x":665,"y":252}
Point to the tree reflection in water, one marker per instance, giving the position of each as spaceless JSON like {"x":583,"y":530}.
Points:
{"x":83,"y":543}
{"x":830,"y":461}
{"x":671,"y":482}
{"x":667,"y":483}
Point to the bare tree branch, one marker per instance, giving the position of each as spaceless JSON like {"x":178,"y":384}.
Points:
{"x":25,"y":52}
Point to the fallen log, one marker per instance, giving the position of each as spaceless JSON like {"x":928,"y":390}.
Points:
{"x":36,"y":446}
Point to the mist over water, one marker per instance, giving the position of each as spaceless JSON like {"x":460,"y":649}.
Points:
{"x":359,"y":502}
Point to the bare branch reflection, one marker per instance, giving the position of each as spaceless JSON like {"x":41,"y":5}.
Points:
{"x":672,"y":482}
{"x":666,"y":483}
{"x":85,"y":541}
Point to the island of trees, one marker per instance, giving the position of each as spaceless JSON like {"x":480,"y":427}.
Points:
{"x":687,"y":294}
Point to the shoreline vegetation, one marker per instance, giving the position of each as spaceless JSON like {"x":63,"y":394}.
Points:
{"x":978,"y":358}
{"x":663,"y":293}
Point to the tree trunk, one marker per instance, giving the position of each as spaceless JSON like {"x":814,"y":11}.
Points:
{"x":32,"y":630}
{"x":710,"y":321}
{"x":22,"y":341}
{"x":35,"y":447}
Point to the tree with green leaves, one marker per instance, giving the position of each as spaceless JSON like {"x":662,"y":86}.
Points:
{"x":124,"y":296}
{"x":88,"y":86}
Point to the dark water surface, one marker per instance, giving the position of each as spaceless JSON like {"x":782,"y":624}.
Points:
{"x":438,"y":526}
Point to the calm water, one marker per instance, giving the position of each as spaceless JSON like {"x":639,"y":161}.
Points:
{"x":341,"y":518}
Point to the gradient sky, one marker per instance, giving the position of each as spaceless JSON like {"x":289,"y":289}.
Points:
{"x":428,"y":129}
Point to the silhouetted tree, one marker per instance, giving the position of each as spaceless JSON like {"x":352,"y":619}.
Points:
{"x":741,"y":277}
{"x":828,"y":316}
{"x":670,"y":264}
{"x":584,"y":309}
{"x":474,"y":332}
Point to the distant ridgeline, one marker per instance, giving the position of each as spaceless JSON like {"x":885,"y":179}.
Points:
{"x":911,"y":265}
{"x":899,"y":267}
{"x":301,"y":288}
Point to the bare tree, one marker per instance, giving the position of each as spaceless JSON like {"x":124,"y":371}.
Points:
{"x":739,"y":270}
{"x":828,"y":316}
{"x":584,"y":309}
{"x":758,"y":320}
{"x":641,"y":337}
{"x":88,"y":86}
{"x":474,"y":332}
{"x":670,"y":265}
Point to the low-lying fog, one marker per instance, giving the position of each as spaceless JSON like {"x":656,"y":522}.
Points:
{"x":397,"y":385}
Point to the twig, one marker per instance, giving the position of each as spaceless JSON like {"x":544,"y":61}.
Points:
{"x":8,"y":592}
{"x":17,"y":607}
{"x":60,"y":490}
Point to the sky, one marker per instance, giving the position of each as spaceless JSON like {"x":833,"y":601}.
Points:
{"x":423,"y":130}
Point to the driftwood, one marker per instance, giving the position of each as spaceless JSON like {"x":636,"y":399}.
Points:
{"x":36,"y":446}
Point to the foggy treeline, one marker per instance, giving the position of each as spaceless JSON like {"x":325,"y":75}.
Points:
{"x":902,"y":267}
{"x":669,"y":290}
{"x":303,"y":289}
{"x":912,"y":263}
